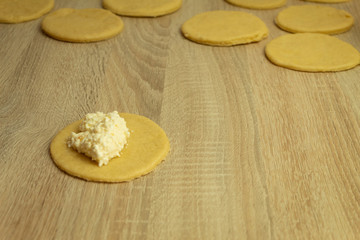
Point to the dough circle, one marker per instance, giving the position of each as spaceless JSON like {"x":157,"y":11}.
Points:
{"x":314,"y":18}
{"x":312,"y":52}
{"x":327,"y":1}
{"x":142,"y":8}
{"x":82,"y":25}
{"x":147,"y":146}
{"x":258,"y":4}
{"x":224,"y":28}
{"x":16,"y":11}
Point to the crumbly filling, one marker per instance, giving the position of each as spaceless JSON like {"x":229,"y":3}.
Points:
{"x":101,"y":136}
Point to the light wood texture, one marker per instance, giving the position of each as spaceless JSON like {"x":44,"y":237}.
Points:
{"x":257,"y":151}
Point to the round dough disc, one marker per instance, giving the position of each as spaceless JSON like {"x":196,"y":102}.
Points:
{"x":142,"y":8}
{"x":314,"y":18}
{"x":146,"y":147}
{"x":224,"y":28}
{"x":258,"y":4}
{"x":16,"y":11}
{"x":82,"y":25}
{"x":312,"y":52}
{"x":327,"y":1}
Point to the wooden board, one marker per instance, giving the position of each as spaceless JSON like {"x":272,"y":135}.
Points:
{"x":257,"y":151}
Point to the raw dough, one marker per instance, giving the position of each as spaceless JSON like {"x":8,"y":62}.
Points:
{"x":312,"y":52}
{"x":327,"y":1}
{"x":16,"y":11}
{"x":147,"y":146}
{"x":224,"y":28}
{"x":314,"y":18}
{"x":142,"y":8}
{"x":82,"y":25}
{"x":258,"y":4}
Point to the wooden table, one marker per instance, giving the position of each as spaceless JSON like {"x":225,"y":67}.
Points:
{"x":257,"y":151}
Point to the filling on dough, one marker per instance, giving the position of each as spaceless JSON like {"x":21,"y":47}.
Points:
{"x":101,"y":137}
{"x":146,"y":148}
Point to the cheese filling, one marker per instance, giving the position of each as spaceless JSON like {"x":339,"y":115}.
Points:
{"x":101,"y":136}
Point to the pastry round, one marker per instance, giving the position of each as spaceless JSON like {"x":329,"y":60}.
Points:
{"x":82,"y":25}
{"x":312,"y":52}
{"x":224,"y":28}
{"x":16,"y":11}
{"x":327,"y":1}
{"x":142,"y":8}
{"x":258,"y":4}
{"x":314,"y":18}
{"x":146,"y":147}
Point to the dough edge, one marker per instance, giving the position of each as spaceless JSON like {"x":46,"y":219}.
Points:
{"x":339,"y":29}
{"x":53,"y":33}
{"x":259,"y":7}
{"x":261,"y":33}
{"x":34,"y":16}
{"x":291,"y":66}
{"x":160,"y":11}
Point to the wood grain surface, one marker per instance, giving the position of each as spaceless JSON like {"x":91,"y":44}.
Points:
{"x":257,"y":151}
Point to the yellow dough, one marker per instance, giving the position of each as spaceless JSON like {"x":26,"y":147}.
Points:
{"x":312,"y":52}
{"x":327,"y":1}
{"x":82,"y":25}
{"x":16,"y":11}
{"x":314,"y":18}
{"x":142,"y":8}
{"x":146,"y":147}
{"x":224,"y":28}
{"x":258,"y":4}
